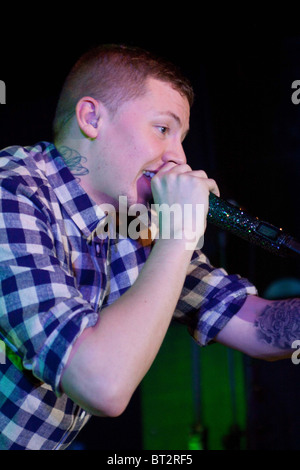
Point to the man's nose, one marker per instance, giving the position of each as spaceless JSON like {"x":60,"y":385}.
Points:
{"x":176,"y":154}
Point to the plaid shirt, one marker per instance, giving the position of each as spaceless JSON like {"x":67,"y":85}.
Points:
{"x":56,"y":277}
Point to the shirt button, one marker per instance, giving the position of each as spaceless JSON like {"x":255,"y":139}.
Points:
{"x":98,"y":249}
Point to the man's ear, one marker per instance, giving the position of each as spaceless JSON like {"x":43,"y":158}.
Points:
{"x":88,"y":116}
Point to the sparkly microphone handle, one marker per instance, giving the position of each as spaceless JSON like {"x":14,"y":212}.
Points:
{"x":229,"y":217}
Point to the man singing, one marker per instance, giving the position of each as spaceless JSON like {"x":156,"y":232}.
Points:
{"x":84,"y":312}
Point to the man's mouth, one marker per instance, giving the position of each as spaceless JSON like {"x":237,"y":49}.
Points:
{"x":149,"y":174}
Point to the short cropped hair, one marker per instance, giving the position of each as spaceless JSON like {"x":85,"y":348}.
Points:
{"x":114,"y":74}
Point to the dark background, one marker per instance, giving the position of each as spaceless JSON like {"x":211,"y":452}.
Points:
{"x":244,"y":132}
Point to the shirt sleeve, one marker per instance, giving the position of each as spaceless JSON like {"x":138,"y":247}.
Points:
{"x":41,"y":311}
{"x":209,"y":299}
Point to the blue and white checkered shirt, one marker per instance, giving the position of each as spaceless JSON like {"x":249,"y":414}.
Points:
{"x":56,"y":276}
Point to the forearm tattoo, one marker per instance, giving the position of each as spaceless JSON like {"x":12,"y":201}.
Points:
{"x":74,"y":161}
{"x":279,"y":323}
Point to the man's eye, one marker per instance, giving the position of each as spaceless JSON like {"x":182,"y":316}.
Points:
{"x":162,"y":129}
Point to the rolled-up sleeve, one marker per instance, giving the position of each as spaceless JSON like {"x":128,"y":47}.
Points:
{"x":41,"y":310}
{"x":209,"y":299}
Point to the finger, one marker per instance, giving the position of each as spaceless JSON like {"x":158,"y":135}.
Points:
{"x":210,"y":183}
{"x":213,"y":187}
{"x":199,"y":173}
{"x":174,"y":168}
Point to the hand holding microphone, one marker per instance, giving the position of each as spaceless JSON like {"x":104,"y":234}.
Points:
{"x":179,"y":190}
{"x":219,"y":212}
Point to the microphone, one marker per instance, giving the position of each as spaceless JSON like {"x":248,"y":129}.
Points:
{"x":235,"y":220}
